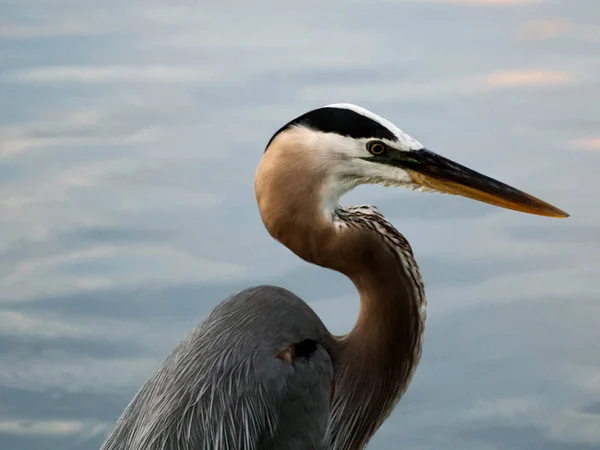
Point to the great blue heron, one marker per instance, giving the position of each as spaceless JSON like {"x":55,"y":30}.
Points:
{"x":261,"y":371}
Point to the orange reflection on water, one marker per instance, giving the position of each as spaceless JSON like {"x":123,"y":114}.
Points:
{"x":528,"y":77}
{"x":543,"y":29}
{"x":592,"y":143}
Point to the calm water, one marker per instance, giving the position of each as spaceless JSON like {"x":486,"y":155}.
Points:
{"x":129,"y":135}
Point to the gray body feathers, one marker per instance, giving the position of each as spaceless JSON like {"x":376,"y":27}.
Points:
{"x":223,"y":388}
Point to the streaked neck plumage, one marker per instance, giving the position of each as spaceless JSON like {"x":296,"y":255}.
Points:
{"x":374,"y":363}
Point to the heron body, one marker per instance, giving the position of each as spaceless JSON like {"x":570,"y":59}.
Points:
{"x":261,"y":371}
{"x":224,"y":387}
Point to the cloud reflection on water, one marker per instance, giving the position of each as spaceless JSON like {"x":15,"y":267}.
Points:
{"x":128,"y":151}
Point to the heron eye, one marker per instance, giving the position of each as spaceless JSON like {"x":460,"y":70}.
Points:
{"x":376,"y":147}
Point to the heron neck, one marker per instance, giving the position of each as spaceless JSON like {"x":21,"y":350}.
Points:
{"x":375,"y":361}
{"x":373,"y":364}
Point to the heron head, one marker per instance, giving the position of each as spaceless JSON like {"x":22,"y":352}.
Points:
{"x":351,"y":146}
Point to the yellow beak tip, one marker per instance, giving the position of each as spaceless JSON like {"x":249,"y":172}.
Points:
{"x":489,"y":194}
{"x":554,"y":212}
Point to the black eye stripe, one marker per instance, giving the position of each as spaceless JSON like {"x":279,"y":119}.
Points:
{"x":341,"y":121}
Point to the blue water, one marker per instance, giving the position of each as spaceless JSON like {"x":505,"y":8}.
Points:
{"x":129,"y":135}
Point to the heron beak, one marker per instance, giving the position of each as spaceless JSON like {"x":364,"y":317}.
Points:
{"x":434,"y":171}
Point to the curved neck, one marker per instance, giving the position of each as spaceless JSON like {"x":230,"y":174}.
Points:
{"x":374,"y":363}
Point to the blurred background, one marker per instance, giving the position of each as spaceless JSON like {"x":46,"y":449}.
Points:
{"x":129,"y":135}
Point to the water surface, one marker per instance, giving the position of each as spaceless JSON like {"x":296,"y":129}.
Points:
{"x":129,"y":135}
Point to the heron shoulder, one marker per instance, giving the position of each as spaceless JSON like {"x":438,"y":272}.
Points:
{"x":223,"y":386}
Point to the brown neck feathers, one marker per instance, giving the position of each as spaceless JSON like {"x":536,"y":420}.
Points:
{"x":374,"y":363}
